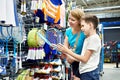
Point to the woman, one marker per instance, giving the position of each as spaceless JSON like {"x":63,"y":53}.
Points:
{"x":74,"y":38}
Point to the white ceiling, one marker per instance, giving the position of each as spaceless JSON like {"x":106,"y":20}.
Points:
{"x":97,"y":3}
{"x":102,"y":8}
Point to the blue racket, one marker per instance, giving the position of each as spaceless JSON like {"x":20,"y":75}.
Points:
{"x":2,"y":59}
{"x":19,"y":36}
{"x":42,"y":37}
{"x":5,"y":38}
{"x":54,"y":36}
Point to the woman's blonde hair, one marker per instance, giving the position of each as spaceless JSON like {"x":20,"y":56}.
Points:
{"x":77,"y":13}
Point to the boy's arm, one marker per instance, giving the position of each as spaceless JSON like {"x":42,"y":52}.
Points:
{"x":83,"y":58}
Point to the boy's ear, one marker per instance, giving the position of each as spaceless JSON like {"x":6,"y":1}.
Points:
{"x":91,"y":25}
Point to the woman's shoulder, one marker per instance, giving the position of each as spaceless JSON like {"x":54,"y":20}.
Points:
{"x":68,"y":30}
{"x":82,"y":34}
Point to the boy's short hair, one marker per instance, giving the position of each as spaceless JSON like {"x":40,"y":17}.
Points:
{"x":91,"y":18}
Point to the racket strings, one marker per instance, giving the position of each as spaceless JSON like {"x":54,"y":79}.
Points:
{"x":4,"y":33}
{"x":52,"y":36}
{"x":9,"y":30}
{"x":55,"y":36}
{"x":17,"y":34}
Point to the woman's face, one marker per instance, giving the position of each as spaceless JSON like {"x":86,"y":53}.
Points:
{"x":73,"y":22}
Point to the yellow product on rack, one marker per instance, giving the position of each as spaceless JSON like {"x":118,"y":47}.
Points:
{"x":34,"y":40}
{"x":23,"y":75}
{"x":28,"y":77}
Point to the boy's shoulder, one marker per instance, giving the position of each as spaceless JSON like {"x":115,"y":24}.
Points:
{"x":94,"y":37}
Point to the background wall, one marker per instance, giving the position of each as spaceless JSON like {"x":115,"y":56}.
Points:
{"x":112,"y":34}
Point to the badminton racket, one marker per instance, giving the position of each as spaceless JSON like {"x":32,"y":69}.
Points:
{"x":5,"y":38}
{"x":54,"y":36}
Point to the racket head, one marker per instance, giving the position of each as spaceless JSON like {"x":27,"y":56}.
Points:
{"x":4,"y":33}
{"x":9,"y":30}
{"x":54,"y":36}
{"x":18,"y":33}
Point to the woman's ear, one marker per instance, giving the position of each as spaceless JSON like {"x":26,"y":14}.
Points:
{"x":79,"y":23}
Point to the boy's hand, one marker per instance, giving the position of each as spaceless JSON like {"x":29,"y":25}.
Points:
{"x":69,"y":60}
{"x":62,"y":48}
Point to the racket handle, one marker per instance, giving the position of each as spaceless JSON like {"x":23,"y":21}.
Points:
{"x":54,"y":46}
{"x":44,"y":39}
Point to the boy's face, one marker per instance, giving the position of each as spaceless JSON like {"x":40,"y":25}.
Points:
{"x":85,"y":27}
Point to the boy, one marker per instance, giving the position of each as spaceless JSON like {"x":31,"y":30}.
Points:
{"x":89,"y":58}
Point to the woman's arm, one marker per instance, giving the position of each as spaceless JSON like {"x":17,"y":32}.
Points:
{"x":68,"y":57}
{"x":66,"y":42}
{"x":67,"y":45}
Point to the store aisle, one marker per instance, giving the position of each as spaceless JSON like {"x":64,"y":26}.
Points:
{"x":111,"y":72}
